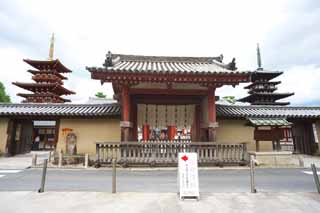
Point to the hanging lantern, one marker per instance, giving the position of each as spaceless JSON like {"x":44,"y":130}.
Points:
{"x":145,"y":132}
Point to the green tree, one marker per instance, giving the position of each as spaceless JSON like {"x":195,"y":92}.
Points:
{"x":230,"y":99}
{"x":100,"y":95}
{"x":3,"y":96}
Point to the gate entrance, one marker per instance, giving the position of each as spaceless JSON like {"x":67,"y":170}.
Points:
{"x":26,"y":135}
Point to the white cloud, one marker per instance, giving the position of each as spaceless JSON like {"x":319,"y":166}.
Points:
{"x":304,"y":82}
{"x":85,"y":88}
{"x":86,"y":30}
{"x":13,"y":69}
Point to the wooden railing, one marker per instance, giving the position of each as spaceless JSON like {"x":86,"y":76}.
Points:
{"x":166,"y":152}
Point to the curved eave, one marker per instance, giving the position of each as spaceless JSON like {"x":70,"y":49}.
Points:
{"x":37,"y":72}
{"x":264,"y":74}
{"x":24,"y":95}
{"x":216,"y":78}
{"x":56,"y":87}
{"x":48,"y":64}
{"x":257,"y":96}
{"x":262,"y":83}
{"x":271,"y":90}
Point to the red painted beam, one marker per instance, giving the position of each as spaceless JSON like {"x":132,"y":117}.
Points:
{"x":169,"y":91}
{"x":229,"y":78}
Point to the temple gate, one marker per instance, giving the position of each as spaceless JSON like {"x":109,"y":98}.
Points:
{"x":167,"y":97}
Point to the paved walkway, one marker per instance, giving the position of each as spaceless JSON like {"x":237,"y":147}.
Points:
{"x":157,"y":202}
{"x":22,"y":161}
{"x":308,"y":160}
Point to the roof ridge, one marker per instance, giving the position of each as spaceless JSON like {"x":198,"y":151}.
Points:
{"x":57,"y":104}
{"x":165,"y":58}
{"x":269,"y":106}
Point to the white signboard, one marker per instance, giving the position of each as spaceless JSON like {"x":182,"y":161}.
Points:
{"x":188,"y":179}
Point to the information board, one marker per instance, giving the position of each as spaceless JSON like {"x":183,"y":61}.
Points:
{"x":188,"y":180}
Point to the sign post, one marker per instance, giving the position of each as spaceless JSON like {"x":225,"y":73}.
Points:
{"x":188,"y":179}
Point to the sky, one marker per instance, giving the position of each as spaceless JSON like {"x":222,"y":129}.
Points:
{"x":287,"y":31}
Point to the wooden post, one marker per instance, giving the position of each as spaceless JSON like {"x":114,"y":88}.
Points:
{"x":34,"y":160}
{"x":278,"y":145}
{"x":114,"y":170}
{"x":252,"y":181}
{"x":212,"y":122}
{"x":257,"y":146}
{"x":315,"y":177}
{"x":125,"y":124}
{"x":86,"y":160}
{"x":60,"y":159}
{"x":49,"y":158}
{"x":43,"y":178}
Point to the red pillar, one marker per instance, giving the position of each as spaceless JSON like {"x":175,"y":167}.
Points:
{"x":125,"y":123}
{"x":134,"y":119}
{"x":195,"y":129}
{"x":212,"y":120}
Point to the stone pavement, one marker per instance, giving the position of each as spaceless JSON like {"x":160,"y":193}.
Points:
{"x":308,"y":160}
{"x":22,"y":161}
{"x":157,"y":202}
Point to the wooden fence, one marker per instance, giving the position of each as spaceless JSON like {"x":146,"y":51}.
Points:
{"x":166,"y":152}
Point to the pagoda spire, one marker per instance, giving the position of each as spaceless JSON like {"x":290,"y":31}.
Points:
{"x":51,"y":50}
{"x":259,"y":58}
{"x":48,"y":80}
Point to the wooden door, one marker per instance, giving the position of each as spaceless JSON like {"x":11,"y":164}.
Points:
{"x":20,"y":137}
{"x":303,"y":137}
{"x":26,"y":136}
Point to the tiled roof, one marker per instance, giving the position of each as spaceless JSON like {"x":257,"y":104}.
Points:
{"x":269,"y":122}
{"x":59,"y":110}
{"x":227,"y":111}
{"x":237,"y":111}
{"x":164,"y":64}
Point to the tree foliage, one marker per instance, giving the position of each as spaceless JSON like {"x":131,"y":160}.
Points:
{"x":100,"y":95}
{"x":230,"y":99}
{"x":3,"y":96}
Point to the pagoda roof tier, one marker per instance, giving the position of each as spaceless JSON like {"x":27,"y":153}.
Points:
{"x":135,"y":68}
{"x":43,"y":78}
{"x":262,"y":83}
{"x":262,"y":90}
{"x":42,"y":95}
{"x":53,"y":72}
{"x":48,"y":65}
{"x":257,"y":96}
{"x":264,"y":74}
{"x":54,"y":87}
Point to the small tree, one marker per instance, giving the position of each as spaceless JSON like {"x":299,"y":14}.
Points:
{"x":3,"y":96}
{"x":100,"y":95}
{"x":230,"y":99}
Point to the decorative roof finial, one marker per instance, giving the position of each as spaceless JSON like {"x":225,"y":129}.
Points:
{"x":108,"y":61}
{"x":259,"y":58}
{"x":51,"y":50}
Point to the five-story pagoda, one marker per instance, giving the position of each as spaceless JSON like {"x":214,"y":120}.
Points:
{"x":262,"y":89}
{"x":48,"y":86}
